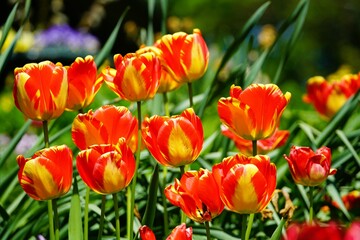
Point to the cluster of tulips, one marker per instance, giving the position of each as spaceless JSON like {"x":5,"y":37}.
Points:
{"x":110,"y":138}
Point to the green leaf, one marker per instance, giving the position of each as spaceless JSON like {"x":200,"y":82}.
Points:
{"x":255,"y":69}
{"x":348,"y":144}
{"x":8,"y":24}
{"x":335,"y":195}
{"x":105,"y":51}
{"x":8,"y":51}
{"x":303,"y":194}
{"x":75,"y":220}
{"x":278,"y":231}
{"x":150,"y":210}
{"x":7,"y":152}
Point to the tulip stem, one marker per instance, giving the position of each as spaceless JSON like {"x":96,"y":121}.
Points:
{"x":131,"y":190}
{"x":102,"y":216}
{"x":56,"y":218}
{"x":46,"y":134}
{"x":51,"y":220}
{"x":86,"y":214}
{"x":249,"y":226}
{"x":166,"y":218}
{"x":254,"y":147}
{"x":207,"y":227}
{"x":166,"y":104}
{"x":243,"y":225}
{"x":117,"y":217}
{"x":190,"y":94}
{"x":311,"y":210}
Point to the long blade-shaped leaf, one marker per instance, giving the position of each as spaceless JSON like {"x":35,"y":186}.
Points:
{"x":149,"y":214}
{"x":7,"y":25}
{"x":105,"y":51}
{"x":8,"y":52}
{"x":348,"y":144}
{"x":335,"y":195}
{"x":75,"y":222}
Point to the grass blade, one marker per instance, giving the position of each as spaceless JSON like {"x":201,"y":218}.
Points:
{"x":149,"y":214}
{"x":335,"y":195}
{"x":348,"y":144}
{"x":8,"y":24}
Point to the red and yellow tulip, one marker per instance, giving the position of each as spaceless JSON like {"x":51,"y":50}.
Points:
{"x":264,"y":146}
{"x":174,"y":141}
{"x":106,"y":168}
{"x":186,"y":56}
{"x":197,"y":194}
{"x":246,"y":183}
{"x":83,"y":83}
{"x":105,"y":126}
{"x":40,"y":90}
{"x":47,"y":174}
{"x":253,"y":113}
{"x":309,"y":168}
{"x":137,"y":76}
{"x":329,"y":96}
{"x":180,"y":232}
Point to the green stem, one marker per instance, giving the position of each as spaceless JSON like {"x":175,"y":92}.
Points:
{"x":166,"y":217}
{"x":249,"y":226}
{"x":254,"y":147}
{"x":207,"y":227}
{"x":117,"y":217}
{"x":102,"y":216}
{"x":190,"y":94}
{"x":166,"y":104}
{"x":51,"y":220}
{"x":182,"y":170}
{"x":46,"y":134}
{"x":56,"y":218}
{"x":243,"y":225}
{"x":131,"y":190}
{"x":86,"y":214}
{"x":182,"y":214}
{"x":311,"y":210}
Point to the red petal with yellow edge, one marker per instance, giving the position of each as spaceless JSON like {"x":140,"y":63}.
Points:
{"x":85,"y":164}
{"x":172,"y":194}
{"x":189,"y":114}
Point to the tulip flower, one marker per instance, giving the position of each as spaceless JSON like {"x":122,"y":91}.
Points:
{"x":47,"y":174}
{"x":106,"y":168}
{"x":146,"y":233}
{"x":40,"y":90}
{"x":137,"y":76}
{"x":246,"y":183}
{"x":180,"y":233}
{"x":329,"y":96}
{"x":253,"y":113}
{"x":351,"y":200}
{"x":309,"y":168}
{"x":186,"y":56}
{"x":105,"y":126}
{"x":314,"y":231}
{"x":197,"y":194}
{"x":174,"y":141}
{"x":264,"y":146}
{"x":352,"y":233}
{"x":83,"y":83}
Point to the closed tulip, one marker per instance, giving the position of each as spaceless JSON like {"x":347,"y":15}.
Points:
{"x":186,"y":56}
{"x":309,"y":168}
{"x":329,"y":96}
{"x":106,"y":168}
{"x":40,"y":90}
{"x":146,"y":233}
{"x":253,"y":113}
{"x":246,"y":183}
{"x":137,"y":76}
{"x":174,"y":141}
{"x":197,"y":194}
{"x":47,"y":174}
{"x":105,"y":126}
{"x":180,"y":232}
{"x":83,"y":83}
{"x":264,"y":146}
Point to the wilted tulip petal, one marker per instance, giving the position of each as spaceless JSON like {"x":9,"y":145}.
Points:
{"x":106,"y":168}
{"x":174,"y":141}
{"x":47,"y":174}
{"x":105,"y":126}
{"x":246,"y":183}
{"x":83,"y":83}
{"x":40,"y":90}
{"x":309,"y":168}
{"x":197,"y":194}
{"x":253,"y":113}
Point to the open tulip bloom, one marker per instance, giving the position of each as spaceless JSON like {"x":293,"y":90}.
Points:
{"x":253,"y":113}
{"x":40,"y":90}
{"x":174,"y":141}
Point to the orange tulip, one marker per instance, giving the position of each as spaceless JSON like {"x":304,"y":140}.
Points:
{"x":106,"y":168}
{"x":197,"y":194}
{"x":309,"y":168}
{"x":180,"y":233}
{"x":47,"y":174}
{"x":186,"y":56}
{"x":264,"y":146}
{"x":246,"y":183}
{"x":146,"y":233}
{"x":105,"y":126}
{"x":174,"y":141}
{"x":83,"y":83}
{"x":328,"y":97}
{"x":253,"y":113}
{"x":40,"y":90}
{"x":137,"y":76}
